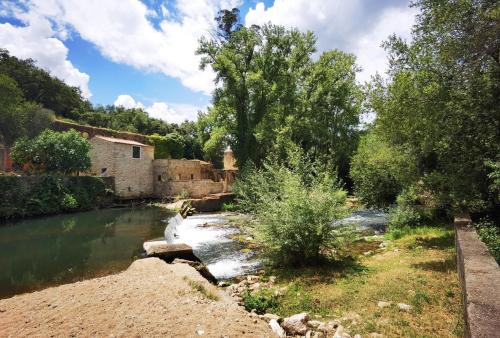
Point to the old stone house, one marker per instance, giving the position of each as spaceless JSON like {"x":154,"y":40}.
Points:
{"x":129,"y":162}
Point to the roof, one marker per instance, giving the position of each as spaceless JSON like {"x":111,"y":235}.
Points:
{"x":120,"y":140}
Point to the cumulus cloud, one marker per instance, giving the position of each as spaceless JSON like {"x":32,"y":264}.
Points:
{"x":356,"y":26}
{"x":36,"y":40}
{"x":172,"y":113}
{"x":123,"y":32}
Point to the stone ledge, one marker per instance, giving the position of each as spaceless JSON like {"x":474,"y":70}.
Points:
{"x":480,"y":278}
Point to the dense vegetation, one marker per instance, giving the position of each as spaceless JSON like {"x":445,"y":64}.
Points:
{"x":272,"y":93}
{"x":30,"y":98}
{"x":44,"y":195}
{"x":53,"y":152}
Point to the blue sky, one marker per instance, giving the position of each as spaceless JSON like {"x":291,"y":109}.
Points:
{"x":141,"y":53}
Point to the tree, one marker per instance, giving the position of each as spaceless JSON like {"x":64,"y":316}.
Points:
{"x":270,"y":92}
{"x":19,"y":118}
{"x":54,"y":152}
{"x":39,"y":86}
{"x":441,"y":103}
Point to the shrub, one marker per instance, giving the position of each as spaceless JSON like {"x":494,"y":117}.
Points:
{"x":295,"y":211}
{"x":379,"y":171}
{"x":411,"y":210}
{"x":261,"y":301}
{"x":230,"y":207}
{"x":489,"y":233}
{"x":54,"y":152}
{"x":23,"y":196}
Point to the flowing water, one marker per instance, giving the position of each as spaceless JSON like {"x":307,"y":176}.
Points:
{"x":41,"y":252}
{"x":210,"y":237}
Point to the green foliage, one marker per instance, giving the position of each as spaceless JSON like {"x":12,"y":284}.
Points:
{"x":441,"y":101}
{"x":271,"y":92}
{"x":489,"y":233}
{"x":169,"y":146}
{"x":40,"y":87}
{"x":410,"y":210}
{"x":379,"y":171}
{"x":261,"y":301}
{"x":25,"y":196}
{"x":54,"y":152}
{"x":231,"y":207}
{"x":295,"y":206}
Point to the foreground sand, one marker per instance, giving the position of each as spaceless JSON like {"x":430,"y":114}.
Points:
{"x":149,"y":299}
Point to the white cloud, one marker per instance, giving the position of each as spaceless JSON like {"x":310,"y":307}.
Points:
{"x":356,"y":26}
{"x":127,"y":101}
{"x":36,"y":40}
{"x":172,"y":113}
{"x":122,"y":32}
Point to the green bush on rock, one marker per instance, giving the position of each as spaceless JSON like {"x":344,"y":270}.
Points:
{"x":295,"y":206}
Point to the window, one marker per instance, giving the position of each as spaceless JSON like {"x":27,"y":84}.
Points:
{"x":103,"y":170}
{"x":136,"y":152}
{"x":192,"y":176}
{"x":159,"y":178}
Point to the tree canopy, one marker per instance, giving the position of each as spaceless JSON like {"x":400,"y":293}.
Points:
{"x":271,"y":92}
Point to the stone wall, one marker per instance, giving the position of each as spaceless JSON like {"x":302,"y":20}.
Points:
{"x":480,"y":278}
{"x":195,"y":188}
{"x":178,"y":170}
{"x":133,"y":176}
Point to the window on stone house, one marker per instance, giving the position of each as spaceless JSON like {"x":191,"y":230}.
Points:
{"x":136,"y":152}
{"x":159,"y":178}
{"x":192,"y":176}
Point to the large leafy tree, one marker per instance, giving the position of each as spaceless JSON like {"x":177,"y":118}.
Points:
{"x":441,"y":102}
{"x":271,"y":92}
{"x":39,"y":86}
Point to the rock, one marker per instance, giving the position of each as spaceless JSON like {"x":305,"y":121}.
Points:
{"x":340,"y":333}
{"x":200,"y":332}
{"x":200,"y":267}
{"x":351,"y":316}
{"x":357,"y":336}
{"x":296,"y":324}
{"x":328,"y":327}
{"x":270,"y":316}
{"x":396,"y":250}
{"x":308,"y":334}
{"x":404,"y":307}
{"x":277,"y":329}
{"x":252,"y":279}
{"x":368,"y":253}
{"x":317,"y":335}
{"x":383,"y":245}
{"x":376,"y":335}
{"x":272,"y":279}
{"x":383,"y":304}
{"x":314,"y":324}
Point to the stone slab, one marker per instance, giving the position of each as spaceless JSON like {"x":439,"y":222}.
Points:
{"x":480,"y":278}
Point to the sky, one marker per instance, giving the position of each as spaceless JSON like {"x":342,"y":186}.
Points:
{"x":137,"y":53}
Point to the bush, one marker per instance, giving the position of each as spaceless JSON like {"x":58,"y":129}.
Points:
{"x":54,"y":152}
{"x":379,"y":171}
{"x":489,"y":233}
{"x":44,"y":195}
{"x":230,"y":207}
{"x":410,"y":210}
{"x":295,"y":211}
{"x":260,"y":302}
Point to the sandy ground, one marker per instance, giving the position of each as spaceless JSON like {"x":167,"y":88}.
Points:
{"x":149,"y":299}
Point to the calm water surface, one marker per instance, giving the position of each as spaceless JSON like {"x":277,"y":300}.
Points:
{"x":42,"y":252}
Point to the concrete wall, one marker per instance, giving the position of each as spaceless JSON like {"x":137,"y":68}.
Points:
{"x":133,"y":176}
{"x":480,"y":278}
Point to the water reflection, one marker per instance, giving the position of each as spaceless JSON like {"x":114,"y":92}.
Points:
{"x":54,"y":250}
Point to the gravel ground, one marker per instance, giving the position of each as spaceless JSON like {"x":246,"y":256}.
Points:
{"x":149,"y":299}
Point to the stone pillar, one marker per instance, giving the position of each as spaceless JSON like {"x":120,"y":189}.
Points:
{"x":229,"y":162}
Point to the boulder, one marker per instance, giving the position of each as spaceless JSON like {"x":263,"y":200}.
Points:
{"x":200,"y":267}
{"x":277,"y":329}
{"x":314,"y":324}
{"x":296,"y":324}
{"x":168,"y":251}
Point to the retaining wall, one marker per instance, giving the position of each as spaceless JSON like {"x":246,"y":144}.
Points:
{"x":480,"y":278}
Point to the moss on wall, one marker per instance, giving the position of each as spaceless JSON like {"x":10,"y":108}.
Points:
{"x":44,"y":195}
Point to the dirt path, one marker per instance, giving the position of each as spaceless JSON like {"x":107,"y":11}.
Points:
{"x":149,"y":299}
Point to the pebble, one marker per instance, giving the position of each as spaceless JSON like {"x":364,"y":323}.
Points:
{"x":383,"y":304}
{"x":404,"y":307}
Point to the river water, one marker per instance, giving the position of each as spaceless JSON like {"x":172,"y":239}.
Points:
{"x":42,"y":252}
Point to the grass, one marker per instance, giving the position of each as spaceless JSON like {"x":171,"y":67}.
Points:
{"x":198,"y":286}
{"x":417,"y":268}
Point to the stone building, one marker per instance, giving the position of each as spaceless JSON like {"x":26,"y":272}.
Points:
{"x":129,"y":162}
